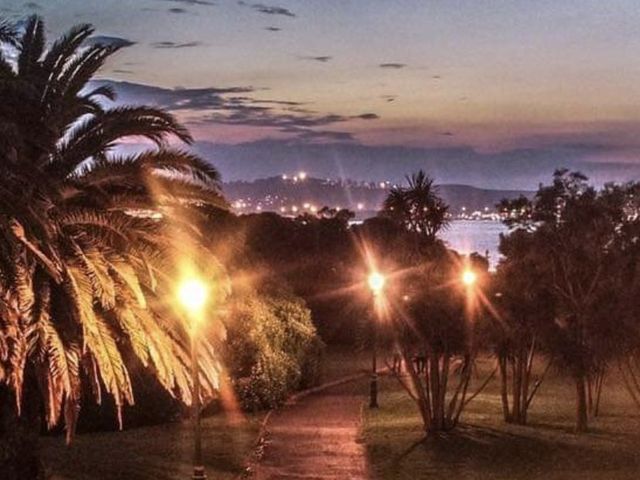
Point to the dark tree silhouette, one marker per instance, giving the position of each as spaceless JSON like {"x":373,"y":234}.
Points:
{"x":525,"y":307}
{"x":417,"y":207}
{"x":576,"y":230}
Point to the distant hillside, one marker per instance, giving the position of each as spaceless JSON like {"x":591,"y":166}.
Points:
{"x":283,"y":194}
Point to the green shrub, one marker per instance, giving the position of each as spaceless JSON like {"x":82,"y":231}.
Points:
{"x":272,"y":349}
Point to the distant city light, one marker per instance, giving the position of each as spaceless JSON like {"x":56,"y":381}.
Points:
{"x":294,"y":208}
{"x":284,"y":177}
{"x":283,"y":209}
{"x":314,"y":209}
{"x":302,"y":175}
{"x":360,"y":206}
{"x":383,"y":185}
{"x":306,"y":205}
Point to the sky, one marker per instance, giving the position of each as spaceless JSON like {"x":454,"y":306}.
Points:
{"x":489,"y":93}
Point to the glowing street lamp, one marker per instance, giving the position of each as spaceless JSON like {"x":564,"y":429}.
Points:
{"x":376,"y":282}
{"x":469,"y":277}
{"x":193,"y":295}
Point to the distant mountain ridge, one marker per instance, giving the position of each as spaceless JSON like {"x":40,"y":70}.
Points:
{"x":276,"y":193}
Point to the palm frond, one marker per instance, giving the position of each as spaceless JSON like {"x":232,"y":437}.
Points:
{"x":64,"y":49}
{"x":8,"y":33}
{"x":98,"y":134}
{"x":31,"y":46}
{"x":100,"y":342}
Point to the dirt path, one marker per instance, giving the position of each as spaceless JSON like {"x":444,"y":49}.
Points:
{"x":317,"y":438}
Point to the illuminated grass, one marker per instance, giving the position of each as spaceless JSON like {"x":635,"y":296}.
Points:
{"x":485,"y":448}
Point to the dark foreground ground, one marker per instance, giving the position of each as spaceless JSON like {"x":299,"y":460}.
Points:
{"x":164,"y":452}
{"x":329,"y":435}
{"x":153,"y":453}
{"x":486,"y":448}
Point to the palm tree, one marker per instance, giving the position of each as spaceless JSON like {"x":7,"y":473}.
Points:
{"x":89,"y":239}
{"x":418,"y":207}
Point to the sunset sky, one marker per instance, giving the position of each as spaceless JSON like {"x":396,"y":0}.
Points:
{"x":491,"y":93}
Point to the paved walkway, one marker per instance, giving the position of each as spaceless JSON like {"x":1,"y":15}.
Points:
{"x":317,"y":438}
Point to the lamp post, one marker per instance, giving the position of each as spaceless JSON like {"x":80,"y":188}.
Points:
{"x":376,"y":284}
{"x":193,"y":297}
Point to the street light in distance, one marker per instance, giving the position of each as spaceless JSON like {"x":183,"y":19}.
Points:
{"x":376,"y":282}
{"x":469,"y":277}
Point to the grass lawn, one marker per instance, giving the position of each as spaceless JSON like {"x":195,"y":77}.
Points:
{"x":161,"y":452}
{"x":486,"y":448}
{"x":341,"y":362}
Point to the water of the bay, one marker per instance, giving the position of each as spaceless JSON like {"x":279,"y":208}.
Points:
{"x":468,"y":236}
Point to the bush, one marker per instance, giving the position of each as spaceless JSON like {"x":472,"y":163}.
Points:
{"x":272,"y":349}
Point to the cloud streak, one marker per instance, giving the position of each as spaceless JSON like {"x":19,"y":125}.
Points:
{"x":193,"y":2}
{"x":268,"y":9}
{"x":320,"y":58}
{"x":237,"y":106}
{"x":393,"y":65}
{"x":110,"y":41}
{"x":167,"y":44}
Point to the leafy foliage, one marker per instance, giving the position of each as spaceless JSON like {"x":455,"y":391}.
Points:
{"x":272,"y":349}
{"x":88,"y":240}
{"x":580,"y":260}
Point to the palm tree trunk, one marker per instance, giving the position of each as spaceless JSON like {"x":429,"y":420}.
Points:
{"x":19,"y":456}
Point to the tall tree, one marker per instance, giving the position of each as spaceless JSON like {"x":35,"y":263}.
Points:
{"x":88,"y":238}
{"x":524,"y":310}
{"x":417,"y":207}
{"x":432,"y":313}
{"x":437,"y":322}
{"x":576,"y":229}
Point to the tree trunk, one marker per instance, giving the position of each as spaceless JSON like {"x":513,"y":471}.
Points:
{"x":504,"y":393}
{"x":596,"y":408}
{"x":523,"y":387}
{"x":19,"y":456}
{"x":424,"y":404}
{"x":434,"y":373}
{"x":581,"y":403}
{"x":517,"y":388}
